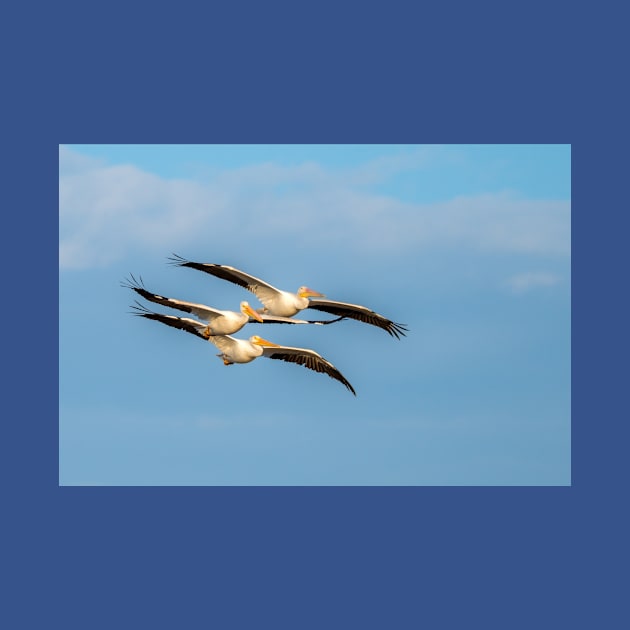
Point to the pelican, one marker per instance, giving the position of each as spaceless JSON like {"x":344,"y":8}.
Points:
{"x":246,"y":350}
{"x":219,"y":322}
{"x":287,"y":304}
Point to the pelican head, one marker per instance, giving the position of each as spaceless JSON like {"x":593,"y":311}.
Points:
{"x":305,"y":292}
{"x":246,"y":309}
{"x":259,"y":341}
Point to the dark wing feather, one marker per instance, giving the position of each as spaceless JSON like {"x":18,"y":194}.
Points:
{"x":276,"y":319}
{"x":361,"y":313}
{"x":138,"y":287}
{"x":183,"y":323}
{"x":224,"y":272}
{"x":200,"y":310}
{"x":309,"y":359}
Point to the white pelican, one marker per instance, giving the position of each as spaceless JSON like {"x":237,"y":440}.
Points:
{"x":219,"y":322}
{"x":287,"y":304}
{"x":246,"y":350}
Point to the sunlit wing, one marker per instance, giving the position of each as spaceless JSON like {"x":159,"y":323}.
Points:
{"x":360,"y":313}
{"x":261,"y":289}
{"x":309,"y":359}
{"x":200,"y":310}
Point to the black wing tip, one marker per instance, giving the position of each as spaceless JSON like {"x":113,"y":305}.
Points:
{"x":177,"y":260}
{"x":140,"y":289}
{"x":141,"y":310}
{"x":132,"y":283}
{"x":338,"y":376}
{"x":334,"y":373}
{"x":397,"y":330}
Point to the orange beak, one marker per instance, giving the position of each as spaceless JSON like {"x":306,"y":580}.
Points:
{"x":310,"y":293}
{"x":248,"y":310}
{"x":264,"y":342}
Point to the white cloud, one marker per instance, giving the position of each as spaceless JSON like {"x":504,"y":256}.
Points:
{"x":71,"y":162}
{"x":522,"y":282}
{"x":108,"y":211}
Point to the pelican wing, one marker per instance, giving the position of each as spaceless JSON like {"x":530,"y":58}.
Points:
{"x":202,"y":311}
{"x":275,"y":319}
{"x":361,"y":313}
{"x":309,"y":359}
{"x":261,"y":289}
{"x":183,"y":323}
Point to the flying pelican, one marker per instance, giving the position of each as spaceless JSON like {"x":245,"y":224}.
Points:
{"x":246,"y":350}
{"x":287,"y":304}
{"x":219,"y":322}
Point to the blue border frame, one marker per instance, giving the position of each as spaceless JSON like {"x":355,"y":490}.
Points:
{"x":312,"y":557}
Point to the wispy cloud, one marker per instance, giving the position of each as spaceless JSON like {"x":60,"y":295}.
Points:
{"x":522,"y":282}
{"x":107,"y":211}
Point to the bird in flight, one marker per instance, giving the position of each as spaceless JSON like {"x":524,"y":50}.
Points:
{"x":286,"y":304}
{"x":219,"y":322}
{"x":234,"y":350}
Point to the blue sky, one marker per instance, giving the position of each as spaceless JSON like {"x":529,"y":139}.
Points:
{"x":469,"y":246}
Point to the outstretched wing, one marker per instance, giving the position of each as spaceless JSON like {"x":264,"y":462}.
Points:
{"x":183,"y":323}
{"x":309,"y":359}
{"x":275,"y":319}
{"x":261,"y":289}
{"x":361,"y":313}
{"x":202,"y":311}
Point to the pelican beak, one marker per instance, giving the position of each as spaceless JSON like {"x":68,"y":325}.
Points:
{"x":310,"y":293}
{"x":264,"y":342}
{"x":248,"y":310}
